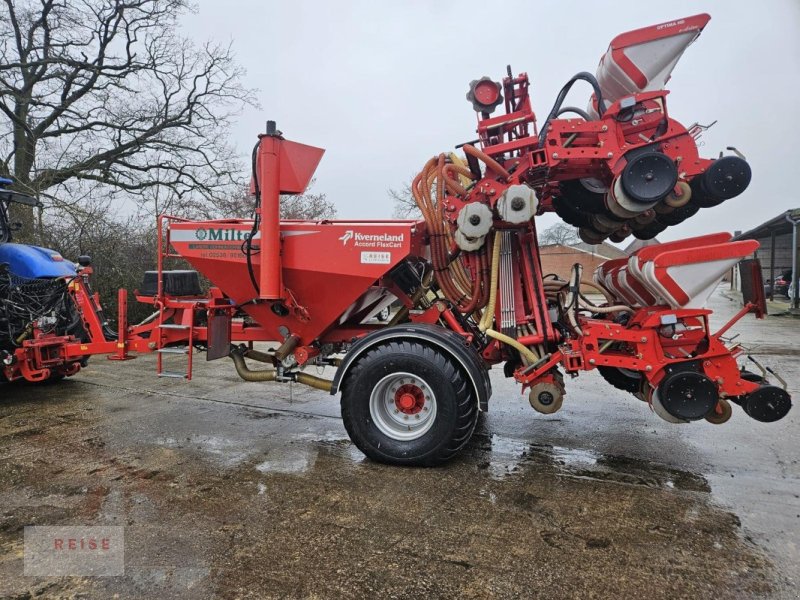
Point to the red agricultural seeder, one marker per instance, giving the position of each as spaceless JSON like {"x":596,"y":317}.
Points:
{"x":468,"y":274}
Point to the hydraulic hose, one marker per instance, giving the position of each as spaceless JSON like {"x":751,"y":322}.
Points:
{"x":488,"y":160}
{"x":574,"y":109}
{"x":261,"y":356}
{"x":287,"y":347}
{"x":583,"y":75}
{"x":524,"y":350}
{"x":247,"y":245}
{"x":248,"y":374}
{"x":591,"y":284}
{"x":453,"y":184}
{"x":422,"y":290}
{"x":271,"y":374}
{"x":571,"y":301}
{"x":468,"y":288}
{"x":609,"y":309}
{"x":464,"y":177}
{"x":466,"y":293}
{"x":316,"y":382}
{"x":488,"y":314}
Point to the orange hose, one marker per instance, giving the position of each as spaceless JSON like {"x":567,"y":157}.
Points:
{"x":468,"y":292}
{"x":452,"y":181}
{"x":488,"y":160}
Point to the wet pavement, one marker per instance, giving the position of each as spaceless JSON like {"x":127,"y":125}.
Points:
{"x":242,"y":490}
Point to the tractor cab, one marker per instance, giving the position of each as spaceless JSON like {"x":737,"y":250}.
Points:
{"x":36,"y":312}
{"x":25,"y":260}
{"x":7,"y":197}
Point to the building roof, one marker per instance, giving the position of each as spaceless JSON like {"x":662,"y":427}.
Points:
{"x":779,"y":225}
{"x":638,"y":244}
{"x":603,"y":249}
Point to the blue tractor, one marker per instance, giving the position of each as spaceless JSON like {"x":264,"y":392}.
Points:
{"x":33,"y":292}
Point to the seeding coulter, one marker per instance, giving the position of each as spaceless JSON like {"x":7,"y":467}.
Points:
{"x":467,"y":275}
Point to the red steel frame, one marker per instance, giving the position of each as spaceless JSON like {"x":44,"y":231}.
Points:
{"x":285,"y":248}
{"x":317,"y":280}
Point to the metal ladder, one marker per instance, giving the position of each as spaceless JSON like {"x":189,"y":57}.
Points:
{"x":162,"y":350}
{"x":163,"y":253}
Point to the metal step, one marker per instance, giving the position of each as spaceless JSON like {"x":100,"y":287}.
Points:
{"x":173,"y":326}
{"x":178,"y":350}
{"x":172,"y":374}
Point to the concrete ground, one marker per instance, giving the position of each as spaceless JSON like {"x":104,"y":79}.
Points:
{"x":239,"y":490}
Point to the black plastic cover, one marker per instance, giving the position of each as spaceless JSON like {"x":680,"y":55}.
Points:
{"x":176,"y":283}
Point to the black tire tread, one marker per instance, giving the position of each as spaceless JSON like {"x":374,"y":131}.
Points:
{"x":467,"y":409}
{"x":619,"y":379}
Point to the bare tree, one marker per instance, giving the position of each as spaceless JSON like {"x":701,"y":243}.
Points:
{"x":106,"y":92}
{"x":122,"y":249}
{"x":560,"y":233}
{"x":308,"y":206}
{"x":405,"y":207}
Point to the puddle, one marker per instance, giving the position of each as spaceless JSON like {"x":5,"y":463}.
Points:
{"x":571,"y":457}
{"x":295,"y":456}
{"x":328,"y":436}
{"x":225,"y":452}
{"x":336,"y":442}
{"x":507,"y":457}
{"x":288,"y":460}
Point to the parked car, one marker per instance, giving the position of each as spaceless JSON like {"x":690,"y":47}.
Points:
{"x":782,"y":283}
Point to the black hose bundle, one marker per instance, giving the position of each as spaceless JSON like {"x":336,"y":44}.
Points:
{"x":562,"y":95}
{"x":247,"y":245}
{"x":24,"y":300}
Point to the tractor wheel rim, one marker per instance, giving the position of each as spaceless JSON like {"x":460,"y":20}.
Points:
{"x":402,"y":406}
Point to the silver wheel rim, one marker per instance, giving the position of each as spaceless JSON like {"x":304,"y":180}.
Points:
{"x":388,"y":406}
{"x":662,"y":412}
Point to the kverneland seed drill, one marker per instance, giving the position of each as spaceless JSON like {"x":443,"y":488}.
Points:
{"x":467,"y":275}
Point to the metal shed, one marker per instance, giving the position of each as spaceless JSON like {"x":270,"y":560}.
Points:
{"x":779,"y":248}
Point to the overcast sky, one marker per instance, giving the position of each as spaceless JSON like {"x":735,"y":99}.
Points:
{"x":381,"y":85}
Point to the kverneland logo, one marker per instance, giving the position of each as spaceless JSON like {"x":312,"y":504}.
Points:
{"x":372,"y":239}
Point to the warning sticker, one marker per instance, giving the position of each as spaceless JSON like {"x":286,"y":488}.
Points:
{"x":376,"y":258}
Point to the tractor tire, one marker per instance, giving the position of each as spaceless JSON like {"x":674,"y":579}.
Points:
{"x":621,"y":379}
{"x":408,"y":403}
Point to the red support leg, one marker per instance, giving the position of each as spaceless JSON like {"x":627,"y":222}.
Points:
{"x":122,"y":328}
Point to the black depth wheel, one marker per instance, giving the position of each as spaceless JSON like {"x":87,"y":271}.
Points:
{"x":576,"y":204}
{"x":649,"y":176}
{"x":622,"y":379}
{"x":407,"y":403}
